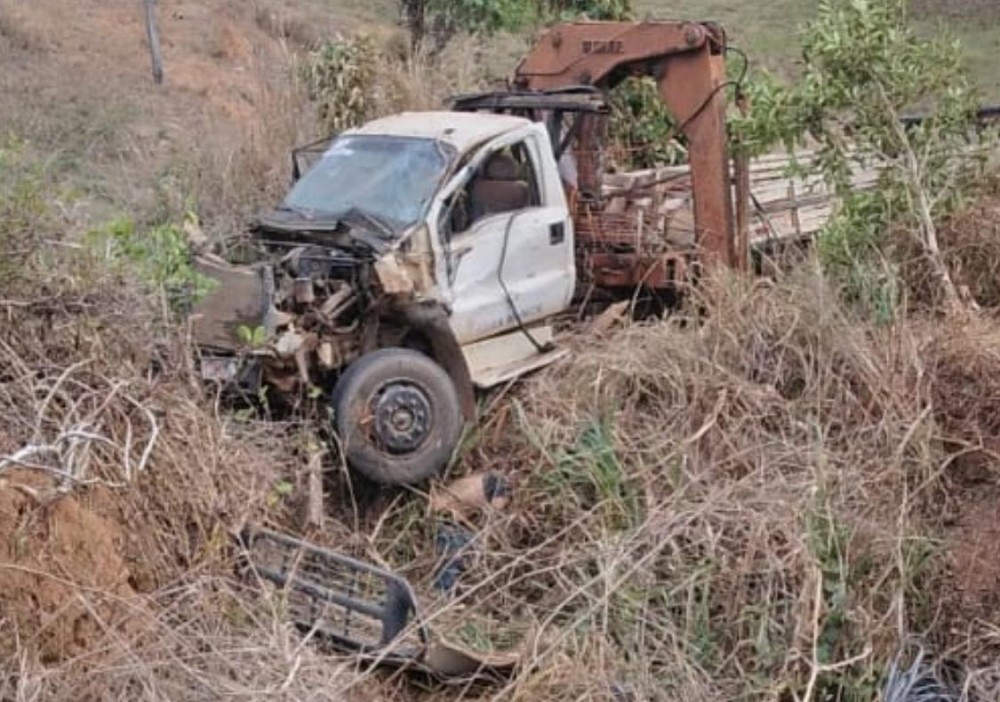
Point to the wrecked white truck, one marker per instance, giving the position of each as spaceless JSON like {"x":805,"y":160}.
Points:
{"x":413,"y":261}
{"x":423,"y":255}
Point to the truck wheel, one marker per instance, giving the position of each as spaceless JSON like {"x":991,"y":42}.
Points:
{"x":397,"y":415}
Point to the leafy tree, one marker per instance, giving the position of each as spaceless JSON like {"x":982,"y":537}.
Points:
{"x":642,"y":127}
{"x":865,"y":69}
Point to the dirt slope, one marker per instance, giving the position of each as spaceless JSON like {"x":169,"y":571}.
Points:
{"x":76,"y":83}
{"x":63,"y":576}
{"x":211,"y":51}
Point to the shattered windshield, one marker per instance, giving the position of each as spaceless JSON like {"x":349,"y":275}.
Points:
{"x":384,"y":178}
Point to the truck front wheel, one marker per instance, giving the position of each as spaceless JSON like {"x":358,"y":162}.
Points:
{"x":397,"y":415}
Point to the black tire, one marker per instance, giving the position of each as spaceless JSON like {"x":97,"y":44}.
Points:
{"x":397,"y":415}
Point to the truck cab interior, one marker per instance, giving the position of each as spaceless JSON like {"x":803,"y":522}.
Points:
{"x":506,"y":182}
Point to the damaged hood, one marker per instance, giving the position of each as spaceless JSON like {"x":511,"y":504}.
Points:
{"x":284,"y":219}
{"x":347,"y":230}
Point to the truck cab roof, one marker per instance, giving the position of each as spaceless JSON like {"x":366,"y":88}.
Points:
{"x":462,"y":130}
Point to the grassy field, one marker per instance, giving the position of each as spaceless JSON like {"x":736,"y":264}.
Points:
{"x":769,"y":31}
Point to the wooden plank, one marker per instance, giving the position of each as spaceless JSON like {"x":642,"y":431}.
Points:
{"x":657,"y":202}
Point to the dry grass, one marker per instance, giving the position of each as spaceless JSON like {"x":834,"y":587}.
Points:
{"x":229,"y":181}
{"x":745,"y":507}
{"x":14,"y":33}
{"x":120,"y":486}
{"x":734,"y":503}
{"x":467,"y":64}
{"x":201,"y":639}
{"x":178,"y":663}
{"x":741,"y":506}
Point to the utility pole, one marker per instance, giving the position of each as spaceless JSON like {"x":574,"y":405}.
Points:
{"x":153,"y":36}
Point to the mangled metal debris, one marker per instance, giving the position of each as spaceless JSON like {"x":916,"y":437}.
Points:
{"x":361,"y":609}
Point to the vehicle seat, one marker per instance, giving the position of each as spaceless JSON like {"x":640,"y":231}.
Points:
{"x":498,"y":188}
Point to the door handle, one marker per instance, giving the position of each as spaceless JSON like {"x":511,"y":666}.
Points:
{"x":459,"y":251}
{"x":557,"y":233}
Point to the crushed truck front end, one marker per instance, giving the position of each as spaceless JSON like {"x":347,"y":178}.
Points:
{"x":347,"y":297}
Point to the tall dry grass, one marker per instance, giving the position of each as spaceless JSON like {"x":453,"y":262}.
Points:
{"x":742,"y":506}
{"x":120,"y":485}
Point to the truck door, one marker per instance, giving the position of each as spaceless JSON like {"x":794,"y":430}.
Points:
{"x":507,"y":242}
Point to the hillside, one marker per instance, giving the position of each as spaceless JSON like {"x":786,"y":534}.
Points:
{"x":769,"y":31}
{"x":81,"y":92}
{"x":769,"y":494}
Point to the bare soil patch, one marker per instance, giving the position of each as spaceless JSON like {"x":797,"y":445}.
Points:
{"x":64,"y":581}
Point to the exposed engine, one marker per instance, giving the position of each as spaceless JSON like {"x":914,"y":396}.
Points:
{"x":319,"y":296}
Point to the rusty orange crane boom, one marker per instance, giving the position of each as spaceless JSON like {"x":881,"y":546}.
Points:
{"x":687,"y":60}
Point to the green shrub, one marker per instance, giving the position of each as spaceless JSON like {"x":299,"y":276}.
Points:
{"x":339,"y":77}
{"x":864,"y":69}
{"x":641,"y":128}
{"x":160,"y":257}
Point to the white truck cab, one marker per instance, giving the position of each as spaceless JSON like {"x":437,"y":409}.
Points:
{"x":499,"y":233}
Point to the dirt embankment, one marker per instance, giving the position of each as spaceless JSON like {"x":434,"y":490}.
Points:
{"x":216,"y":53}
{"x":64,"y":577}
{"x":215,"y":134}
{"x":119,"y":488}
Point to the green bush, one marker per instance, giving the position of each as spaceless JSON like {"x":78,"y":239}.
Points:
{"x":160,"y":257}
{"x":864,"y":69}
{"x":641,"y":128}
{"x":339,"y":77}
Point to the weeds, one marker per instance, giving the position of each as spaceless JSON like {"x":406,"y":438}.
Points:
{"x":754,"y":519}
{"x":339,"y":76}
{"x":743,"y":506}
{"x":160,"y":257}
{"x":592,"y":473}
{"x":24,"y":212}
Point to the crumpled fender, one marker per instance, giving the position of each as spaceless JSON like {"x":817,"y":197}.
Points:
{"x":431,"y":320}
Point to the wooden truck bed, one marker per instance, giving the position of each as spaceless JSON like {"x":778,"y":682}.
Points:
{"x":643,"y":230}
